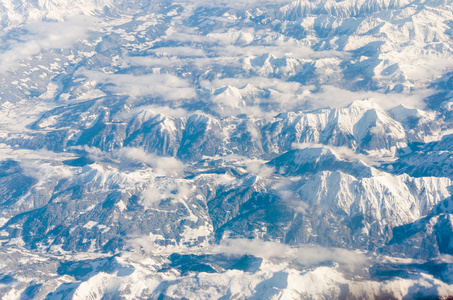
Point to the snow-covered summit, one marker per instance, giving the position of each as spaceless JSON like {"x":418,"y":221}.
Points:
{"x":226,"y":149}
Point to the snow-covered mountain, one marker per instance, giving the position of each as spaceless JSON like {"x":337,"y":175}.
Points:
{"x":226,"y":150}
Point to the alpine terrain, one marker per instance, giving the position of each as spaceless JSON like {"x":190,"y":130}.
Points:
{"x":188,"y":149}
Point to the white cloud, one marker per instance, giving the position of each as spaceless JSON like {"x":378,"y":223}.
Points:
{"x":142,"y":244}
{"x":152,"y":61}
{"x":151,"y":110}
{"x":285,"y":189}
{"x":164,"y":166}
{"x":345,"y":153}
{"x":43,"y":36}
{"x":169,"y":87}
{"x":234,"y":4}
{"x":173,"y":191}
{"x":179,"y":51}
{"x":337,"y":97}
{"x":279,"y":48}
{"x":256,"y":81}
{"x":261,"y":90}
{"x":260,"y":169}
{"x":166,"y":186}
{"x":186,"y":34}
{"x":161,"y":165}
{"x":93,"y":152}
{"x":43,"y":171}
{"x":317,"y":254}
{"x":305,"y":254}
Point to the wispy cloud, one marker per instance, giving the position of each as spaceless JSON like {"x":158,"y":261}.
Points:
{"x":161,"y":165}
{"x":234,"y":4}
{"x":258,"y":90}
{"x":260,"y":169}
{"x":155,"y":61}
{"x":305,"y":255}
{"x":151,"y":110}
{"x":345,"y":153}
{"x":336,"y":97}
{"x":179,"y":51}
{"x":41,"y":36}
{"x":166,"y":166}
{"x":278,"y":48}
{"x":166,"y":86}
{"x":173,"y":191}
{"x":285,"y":188}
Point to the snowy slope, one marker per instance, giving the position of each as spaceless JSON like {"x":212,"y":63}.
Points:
{"x":214,"y":149}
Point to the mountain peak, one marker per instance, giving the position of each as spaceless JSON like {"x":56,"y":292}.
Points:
{"x":210,"y":149}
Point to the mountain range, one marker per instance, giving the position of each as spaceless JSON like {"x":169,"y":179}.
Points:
{"x":226,"y":150}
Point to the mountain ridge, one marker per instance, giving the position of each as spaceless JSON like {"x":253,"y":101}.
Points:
{"x":263,"y":150}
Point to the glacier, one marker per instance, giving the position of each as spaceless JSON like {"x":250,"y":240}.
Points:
{"x":226,"y":150}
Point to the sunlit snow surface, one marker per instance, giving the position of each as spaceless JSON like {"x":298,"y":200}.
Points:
{"x":226,"y":149}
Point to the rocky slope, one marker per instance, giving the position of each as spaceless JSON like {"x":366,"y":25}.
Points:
{"x":263,"y":150}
